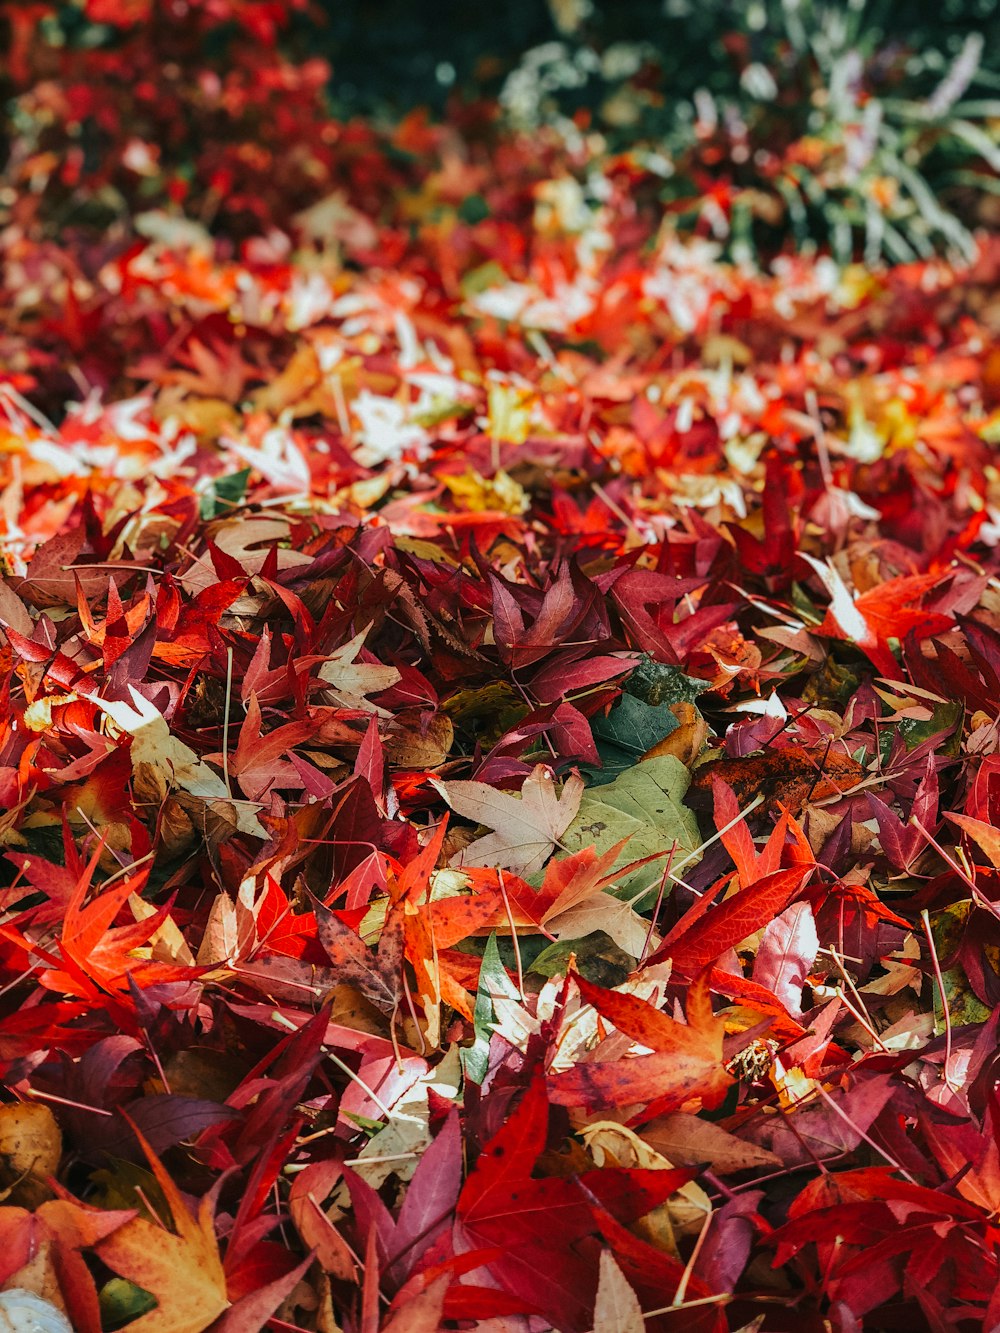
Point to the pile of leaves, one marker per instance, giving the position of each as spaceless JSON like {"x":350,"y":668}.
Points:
{"x":500,"y":764}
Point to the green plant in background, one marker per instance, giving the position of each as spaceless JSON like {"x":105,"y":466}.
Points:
{"x":869,"y":128}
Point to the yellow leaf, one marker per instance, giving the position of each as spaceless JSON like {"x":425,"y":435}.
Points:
{"x":509,"y":413}
{"x":38,"y":716}
{"x":478,"y":494}
{"x":617,"y":1308}
{"x":30,"y":1149}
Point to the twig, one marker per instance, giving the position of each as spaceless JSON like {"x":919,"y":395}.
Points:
{"x":225,"y":720}
{"x":939,"y":978}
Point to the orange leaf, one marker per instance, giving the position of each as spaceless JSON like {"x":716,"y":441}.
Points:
{"x":183,"y":1271}
{"x":687,"y":1064}
{"x":984,"y":834}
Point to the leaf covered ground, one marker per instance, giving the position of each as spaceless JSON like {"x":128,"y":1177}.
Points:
{"x":500,"y":768}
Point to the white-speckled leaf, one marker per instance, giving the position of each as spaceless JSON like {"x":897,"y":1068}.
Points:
{"x":24,"y":1312}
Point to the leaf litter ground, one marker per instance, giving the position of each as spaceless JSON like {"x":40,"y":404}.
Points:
{"x":501,"y":774}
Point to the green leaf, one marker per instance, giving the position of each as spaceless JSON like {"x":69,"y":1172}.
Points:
{"x":834,"y":683}
{"x":486,"y":713}
{"x":644,"y":805}
{"x":479,"y":279}
{"x":945,"y":721}
{"x":656,"y":683}
{"x":122,"y":1301}
{"x":127,"y":1185}
{"x":473,"y":209}
{"x":640,"y":718}
{"x":493,"y":980}
{"x":630,"y":728}
{"x":598,"y":959}
{"x":948,"y":928}
{"x":224,"y":494}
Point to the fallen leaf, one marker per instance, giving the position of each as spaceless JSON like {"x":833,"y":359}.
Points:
{"x":30,"y":1152}
{"x":617,"y":1308}
{"x":723,"y":927}
{"x":686,"y":1065}
{"x":786,"y":954}
{"x":377,"y":973}
{"x":643,"y":810}
{"x":787,"y":778}
{"x":689,"y":1140}
{"x":349,"y":681}
{"x":182,"y":1269}
{"x":526,"y":827}
{"x":686,"y":742}
{"x":153,"y":745}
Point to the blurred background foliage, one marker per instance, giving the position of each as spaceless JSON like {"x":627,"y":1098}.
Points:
{"x":396,"y":54}
{"x":867,"y":128}
{"x":871,"y":121}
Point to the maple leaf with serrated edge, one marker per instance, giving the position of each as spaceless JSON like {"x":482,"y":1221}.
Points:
{"x":538,"y":1224}
{"x":181,"y":1269}
{"x":525,"y":827}
{"x":617,"y":1308}
{"x":95,"y":958}
{"x":686,"y":1065}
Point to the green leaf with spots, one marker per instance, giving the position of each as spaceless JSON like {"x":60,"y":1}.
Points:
{"x":645,"y":805}
{"x":655,"y":683}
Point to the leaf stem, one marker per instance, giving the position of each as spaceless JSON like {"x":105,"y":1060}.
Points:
{"x":225,"y":719}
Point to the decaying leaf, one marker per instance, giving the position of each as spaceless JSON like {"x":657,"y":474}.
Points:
{"x":30,"y":1152}
{"x":788,"y":778}
{"x":689,"y":1140}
